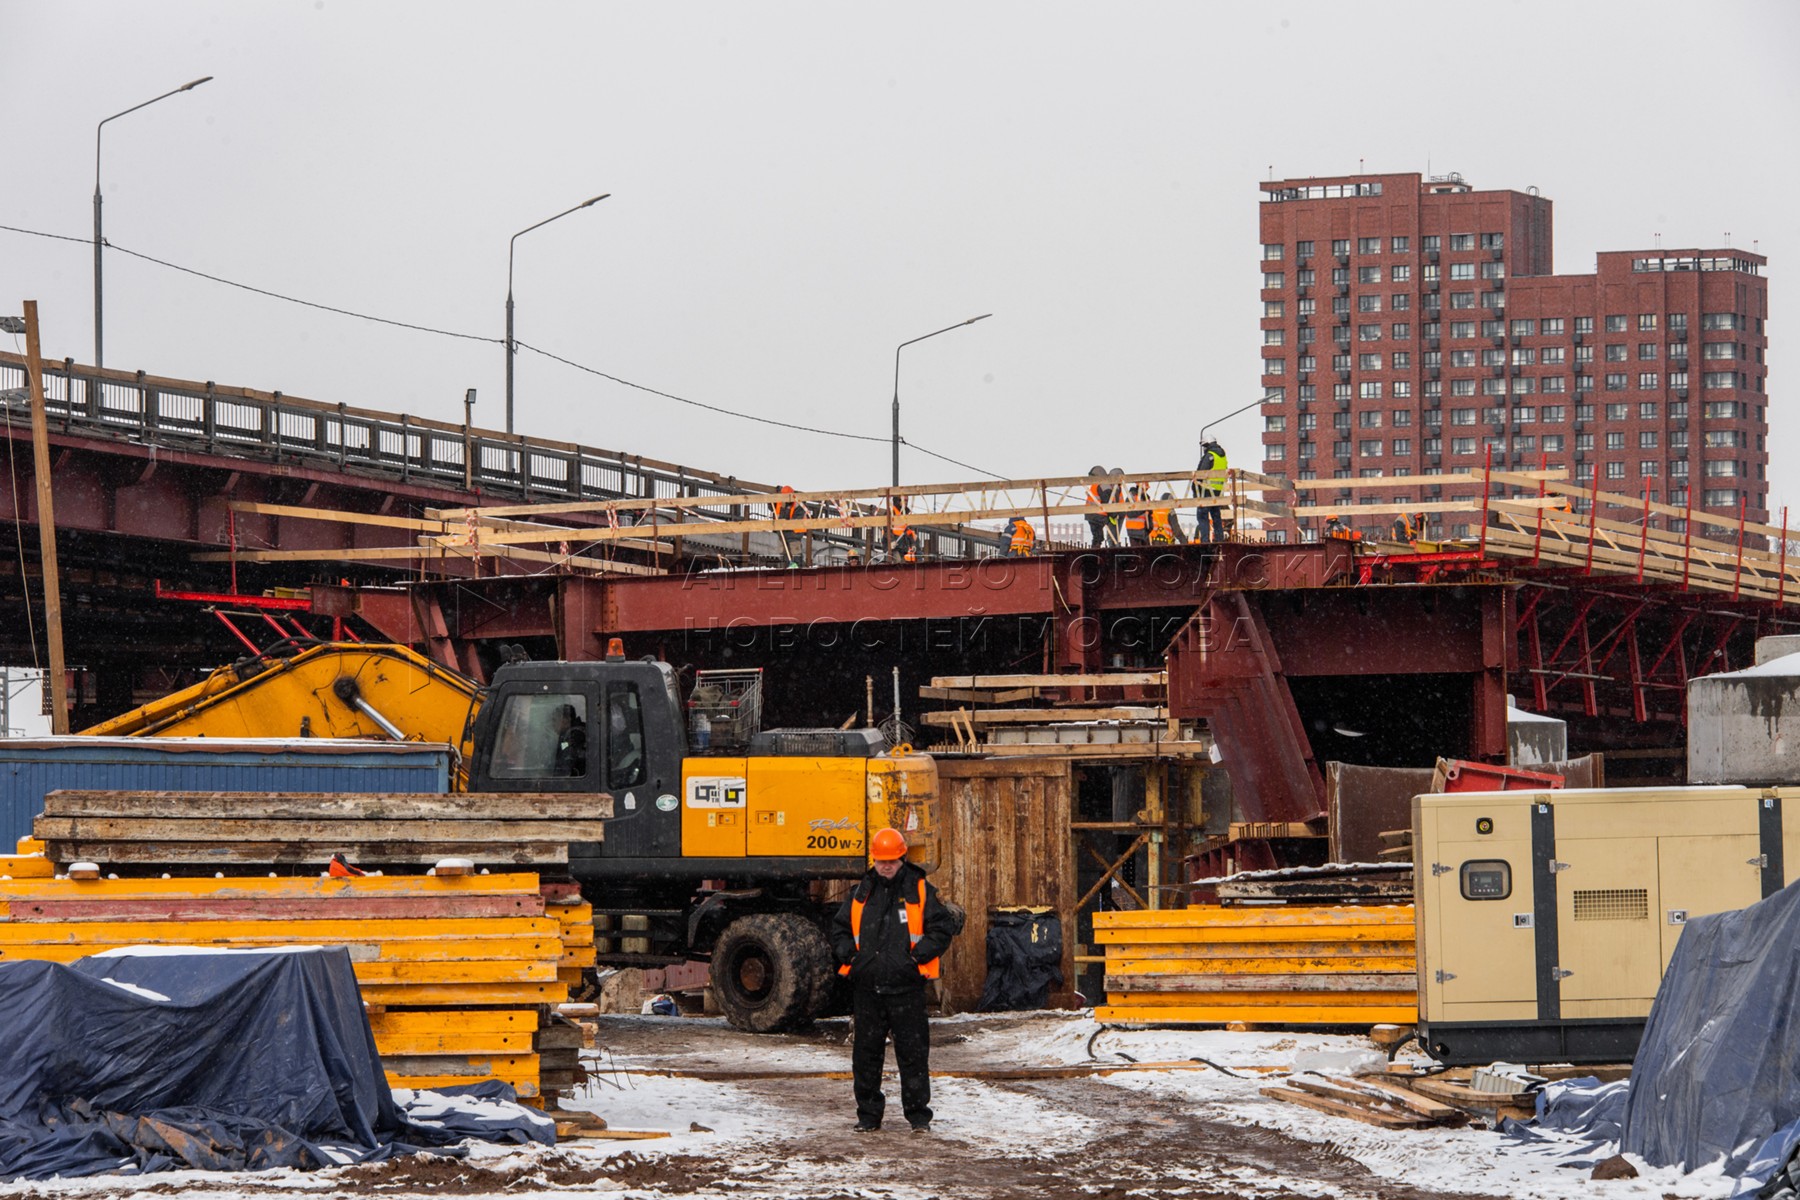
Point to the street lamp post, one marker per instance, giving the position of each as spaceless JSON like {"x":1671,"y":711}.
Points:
{"x":99,"y":241}
{"x":897,"y":350}
{"x":509,"y":296}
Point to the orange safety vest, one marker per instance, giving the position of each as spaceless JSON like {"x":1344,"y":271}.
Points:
{"x":915,"y":929}
{"x":1023,"y":537}
{"x":1137,"y":520}
{"x":1160,"y":531}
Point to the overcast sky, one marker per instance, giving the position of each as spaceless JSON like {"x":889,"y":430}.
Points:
{"x":796,"y":188}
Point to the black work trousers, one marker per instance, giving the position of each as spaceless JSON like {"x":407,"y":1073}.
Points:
{"x":901,"y":1014}
{"x":1212,"y":523}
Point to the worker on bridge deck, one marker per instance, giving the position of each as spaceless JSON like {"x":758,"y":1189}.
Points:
{"x":1337,"y":531}
{"x":905,"y":543}
{"x":887,"y":937}
{"x":1209,"y":484}
{"x":1137,"y":521}
{"x":1407,"y":527}
{"x":1099,"y":492}
{"x":1021,"y":538}
{"x":1165,"y":526}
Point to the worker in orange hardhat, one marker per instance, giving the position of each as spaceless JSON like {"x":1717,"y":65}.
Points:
{"x":888,"y":937}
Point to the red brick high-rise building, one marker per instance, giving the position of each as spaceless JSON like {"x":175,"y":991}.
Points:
{"x":1412,"y":325}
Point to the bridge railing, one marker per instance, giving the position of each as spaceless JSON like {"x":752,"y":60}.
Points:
{"x":239,"y":422}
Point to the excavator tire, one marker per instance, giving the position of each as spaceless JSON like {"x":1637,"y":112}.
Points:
{"x":771,"y":972}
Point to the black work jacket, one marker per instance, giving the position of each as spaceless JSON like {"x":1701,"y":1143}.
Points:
{"x":887,"y":960}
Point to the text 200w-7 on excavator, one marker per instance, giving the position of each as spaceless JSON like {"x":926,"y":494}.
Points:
{"x":720,"y":852}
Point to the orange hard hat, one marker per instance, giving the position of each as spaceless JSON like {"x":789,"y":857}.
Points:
{"x":887,"y":845}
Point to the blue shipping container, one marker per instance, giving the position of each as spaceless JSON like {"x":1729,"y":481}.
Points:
{"x":31,"y":768}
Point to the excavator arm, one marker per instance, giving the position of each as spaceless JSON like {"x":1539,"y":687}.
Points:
{"x":329,"y":690}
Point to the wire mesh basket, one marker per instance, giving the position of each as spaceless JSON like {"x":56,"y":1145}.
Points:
{"x":728,"y":704}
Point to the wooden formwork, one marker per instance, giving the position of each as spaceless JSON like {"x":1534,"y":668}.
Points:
{"x":1005,"y":841}
{"x":1290,"y":964}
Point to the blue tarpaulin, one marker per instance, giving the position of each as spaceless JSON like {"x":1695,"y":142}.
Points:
{"x":158,"y":1059}
{"x":1717,"y":1074}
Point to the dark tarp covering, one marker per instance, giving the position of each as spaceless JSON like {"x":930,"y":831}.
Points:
{"x":1024,"y":959}
{"x":1717,"y":1074}
{"x":1581,"y":1114}
{"x":240,"y":1060}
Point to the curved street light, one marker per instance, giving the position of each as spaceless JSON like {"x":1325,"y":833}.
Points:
{"x":509,"y":296}
{"x":897,"y":350}
{"x":99,"y":241}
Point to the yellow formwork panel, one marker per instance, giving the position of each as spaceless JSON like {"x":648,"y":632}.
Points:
{"x":1251,"y":933}
{"x":1257,"y":915}
{"x":472,"y":995}
{"x":1328,"y":965}
{"x":403,"y":1022}
{"x":525,"y":1086}
{"x":1208,"y":1015}
{"x":26,"y":866}
{"x":443,"y":931}
{"x":290,"y":887}
{"x":1189,"y":951}
{"x":498,"y":971}
{"x":1271,"y":1001}
{"x":463,"y":1042}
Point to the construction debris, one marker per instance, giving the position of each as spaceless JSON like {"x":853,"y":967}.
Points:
{"x":1372,"y":1101}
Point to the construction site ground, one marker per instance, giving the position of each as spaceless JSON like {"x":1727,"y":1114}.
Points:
{"x":766,"y":1116}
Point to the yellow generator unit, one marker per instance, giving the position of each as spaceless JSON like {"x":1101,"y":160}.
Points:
{"x":1546,"y":919}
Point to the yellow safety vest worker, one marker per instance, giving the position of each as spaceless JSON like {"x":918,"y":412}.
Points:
{"x":1213,"y":482}
{"x":915,"y":929}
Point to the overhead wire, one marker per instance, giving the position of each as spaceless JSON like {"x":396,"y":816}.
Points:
{"x":450,"y":333}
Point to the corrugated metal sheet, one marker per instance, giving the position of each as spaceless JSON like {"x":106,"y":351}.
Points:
{"x":29,"y":769}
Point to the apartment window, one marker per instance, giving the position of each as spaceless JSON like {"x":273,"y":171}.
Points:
{"x":1524,"y":356}
{"x":1303,"y":250}
{"x":1432,"y":445}
{"x":1434,"y":388}
{"x":1308,"y":362}
{"x":1615,"y":440}
{"x":1646,"y":322}
{"x":1551,"y":326}
{"x":1462,"y":329}
{"x":1584,"y":324}
{"x":1493,"y":270}
{"x":1493,"y":299}
{"x":1648,"y":351}
{"x":1341,"y":420}
{"x":1719,"y":468}
{"x":1678,"y":323}
{"x":1615,"y":323}
{"x":1584,"y":354}
{"x":1369,"y":362}
{"x":1584,"y":383}
{"x":1462,"y":416}
{"x":1616,"y":412}
{"x":1555,"y":385}
{"x":1719,"y":379}
{"x":1553,"y":443}
{"x":1493,"y":358}
{"x":1340,"y":391}
{"x":1462,"y":387}
{"x":1400,"y":245}
{"x":1615,"y":353}
{"x":1402,"y":360}
{"x":1493,"y":241}
{"x":1721,"y":320}
{"x":1274,"y":452}
{"x":1272,"y":251}
{"x":1400,"y":302}
{"x":1719,"y":350}
{"x":1308,"y":421}
{"x":1368,"y":245}
{"x":1430,"y":273}
{"x":1649,"y":381}
{"x":1368,"y":274}
{"x":1308,"y":450}
{"x":1430,"y":242}
{"x":1615,"y":381}
{"x":1493,"y":387}
{"x":1432,"y":358}
{"x":1401,"y":332}
{"x":1720,"y":498}
{"x":1402,"y":418}
{"x":1370,"y":391}
{"x":1722,"y":438}
{"x":1553,"y":355}
{"x":1464,"y":270}
{"x":1274,"y":366}
{"x":1340,"y":275}
{"x":1678,"y":469}
{"x":1402,"y":446}
{"x":1615,"y":470}
{"x":1524,"y":413}
{"x":1400,"y":273}
{"x":1340,"y":245}
{"x":1274,"y":424}
{"x":1678,"y":410}
{"x":1462,"y":358}
{"x":1340,"y":305}
{"x":1340,"y":362}
{"x":1368,"y":333}
{"x":1647,"y":440}
{"x":1309,"y":334}
{"x":1462,"y":241}
{"x":1523,"y":443}
{"x":1274,"y":337}
{"x":1369,"y":473}
{"x":1368,"y":303}
{"x":1273,"y":309}
{"x":1462,"y":445}
{"x":1551,"y":414}
{"x":1369,"y":449}
{"x":1462,"y":299}
{"x":1584,"y":412}
{"x":1584,"y":441}
{"x":1523,"y":385}
{"x":1306,"y":277}
{"x":1274,"y":279}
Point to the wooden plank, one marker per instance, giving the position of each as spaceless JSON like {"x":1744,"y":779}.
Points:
{"x":286,"y":887}
{"x":1098,"y":750}
{"x":1113,"y":1013}
{"x":464,"y":995}
{"x":1356,"y":1110}
{"x":388,"y":806}
{"x":223,"y":854}
{"x":979,"y":695}
{"x":1324,"y":981}
{"x":393,"y":1045}
{"x":1200,"y":916}
{"x":1442,"y":1114}
{"x":1113,"y":679}
{"x":1120,"y":964}
{"x":328,"y":833}
{"x":365,"y":910}
{"x":1046,"y":716}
